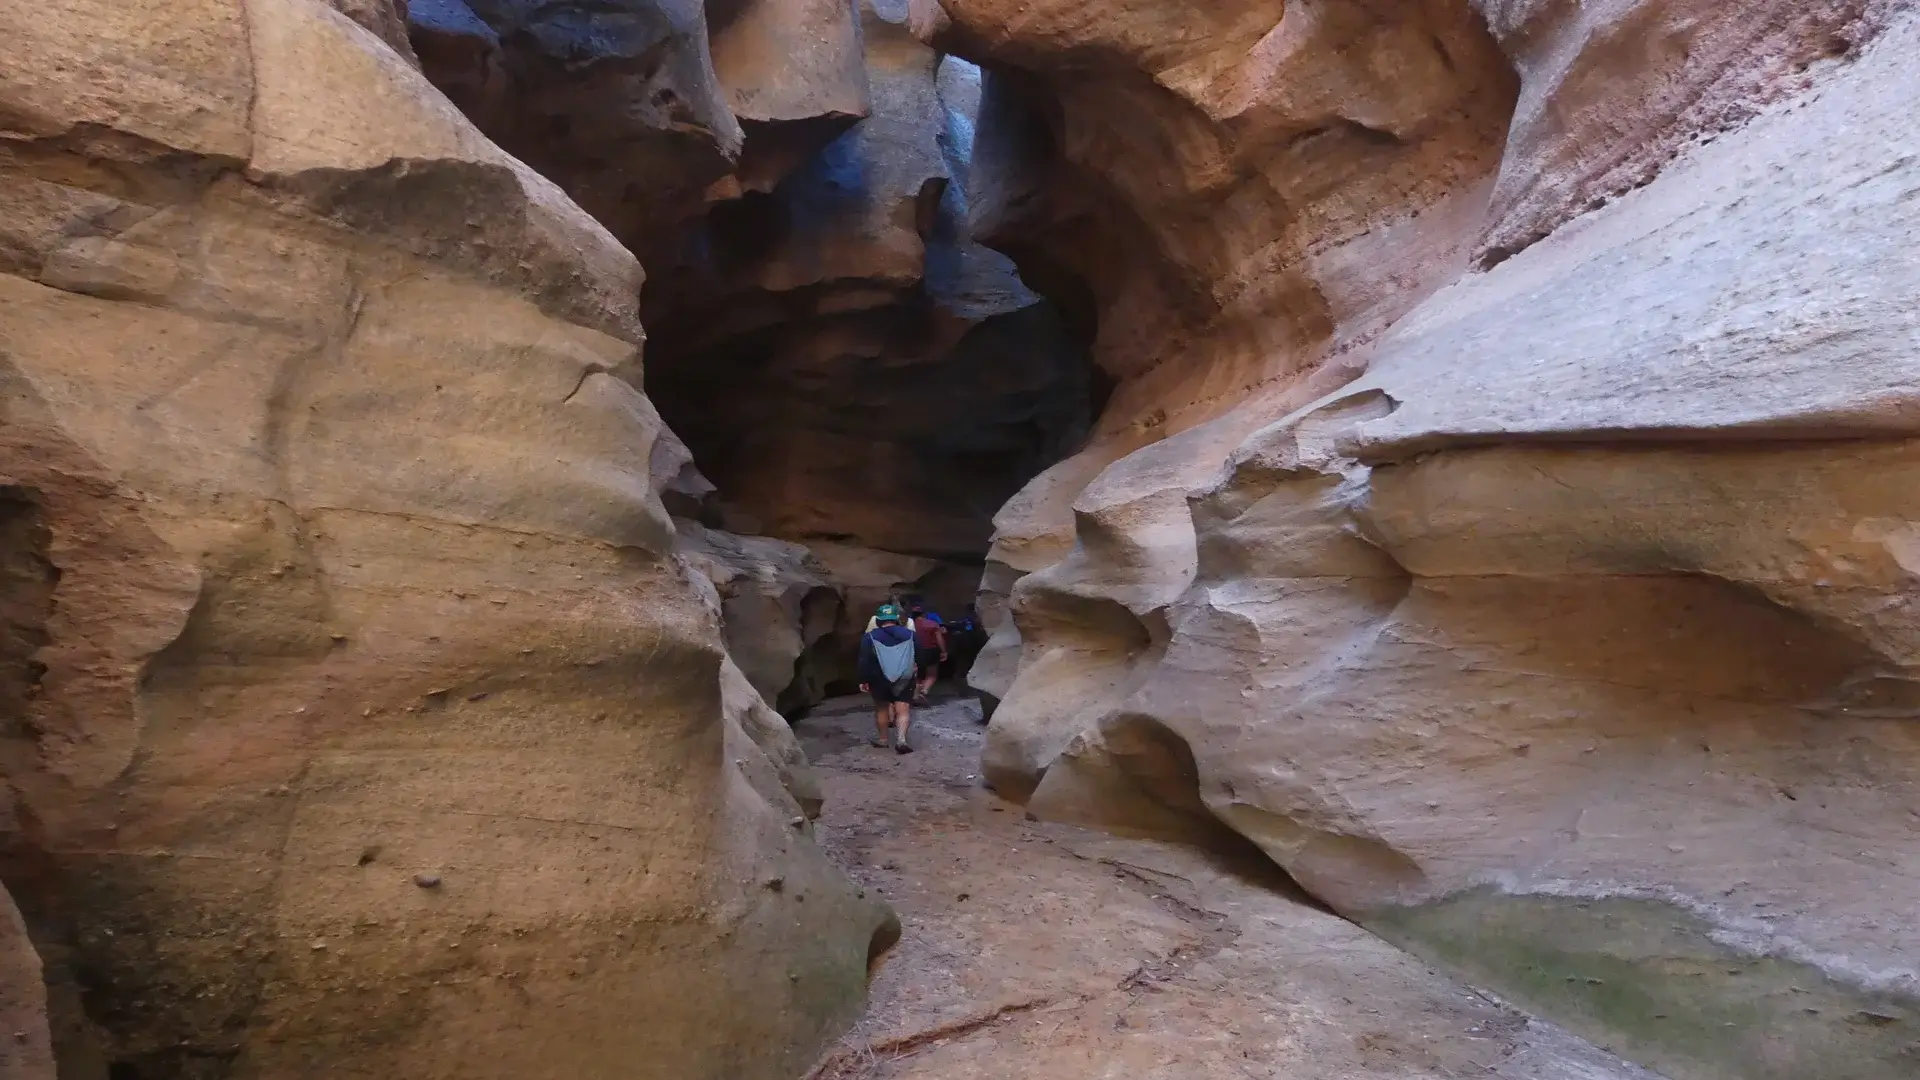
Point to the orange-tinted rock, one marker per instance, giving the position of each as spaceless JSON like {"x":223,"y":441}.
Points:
{"x":795,"y":75}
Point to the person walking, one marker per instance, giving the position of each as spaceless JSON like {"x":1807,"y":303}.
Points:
{"x":929,"y":652}
{"x":886,"y":672}
{"x":965,"y":639}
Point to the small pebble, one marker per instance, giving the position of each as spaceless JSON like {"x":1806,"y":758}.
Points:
{"x":797,"y":822}
{"x":427,"y":881}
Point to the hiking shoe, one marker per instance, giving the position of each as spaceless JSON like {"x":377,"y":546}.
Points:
{"x":903,"y":746}
{"x":879,"y":742}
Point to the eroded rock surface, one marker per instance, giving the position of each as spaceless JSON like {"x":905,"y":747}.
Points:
{"x":1040,"y":949}
{"x":845,"y":362}
{"x":616,"y":102}
{"x":779,"y":610}
{"x":360,"y":720}
{"x":1509,"y":542}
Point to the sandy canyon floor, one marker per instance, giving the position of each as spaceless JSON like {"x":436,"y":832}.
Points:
{"x":1034,"y":950}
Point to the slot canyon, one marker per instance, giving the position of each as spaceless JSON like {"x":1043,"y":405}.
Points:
{"x":1417,"y":488}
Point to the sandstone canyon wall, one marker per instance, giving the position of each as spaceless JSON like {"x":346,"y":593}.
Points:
{"x":1502,"y":514}
{"x":360,"y":719}
{"x":845,"y":362}
{"x":848,"y":367}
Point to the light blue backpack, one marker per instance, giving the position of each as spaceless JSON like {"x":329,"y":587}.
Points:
{"x":896,"y":661}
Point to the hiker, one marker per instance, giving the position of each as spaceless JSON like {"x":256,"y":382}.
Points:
{"x":929,"y":651}
{"x":965,"y":638}
{"x":887,"y":673}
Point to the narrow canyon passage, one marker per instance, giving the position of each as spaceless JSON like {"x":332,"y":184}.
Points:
{"x":1048,"y":952}
{"x":1425,"y":498}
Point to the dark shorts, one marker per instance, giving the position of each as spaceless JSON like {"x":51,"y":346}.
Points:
{"x":928,"y":659}
{"x":887,"y":693}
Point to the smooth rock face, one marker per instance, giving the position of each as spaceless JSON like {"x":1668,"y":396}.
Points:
{"x":1555,"y":621}
{"x":332,"y":562}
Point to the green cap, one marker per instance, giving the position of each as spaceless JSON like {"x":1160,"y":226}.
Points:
{"x":887,"y":613}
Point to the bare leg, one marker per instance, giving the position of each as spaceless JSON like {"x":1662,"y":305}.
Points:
{"x":902,"y":717}
{"x":882,"y":716}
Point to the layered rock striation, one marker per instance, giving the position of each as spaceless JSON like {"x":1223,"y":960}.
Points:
{"x":1500,"y":520}
{"x":360,"y":718}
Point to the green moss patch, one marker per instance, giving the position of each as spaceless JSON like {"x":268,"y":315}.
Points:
{"x":1644,"y":979}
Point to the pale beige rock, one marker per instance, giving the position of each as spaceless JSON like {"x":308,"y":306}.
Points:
{"x":173,"y":74}
{"x":1372,"y":191}
{"x":778,"y":611}
{"x":1569,"y":644}
{"x":334,"y":563}
{"x":748,"y":710}
{"x":1766,"y":279}
{"x":363,"y":138}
